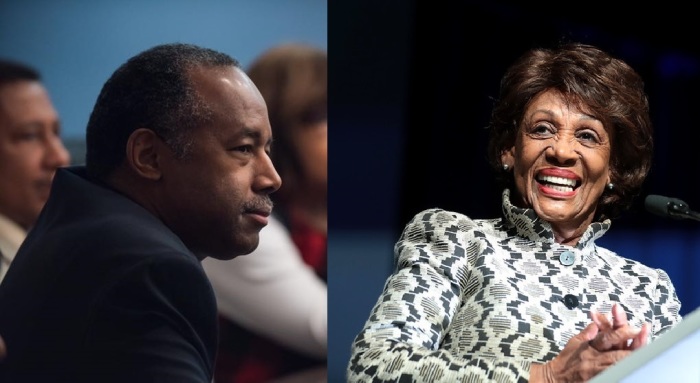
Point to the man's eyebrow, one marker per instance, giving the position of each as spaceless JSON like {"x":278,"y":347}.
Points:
{"x":249,"y":132}
{"x":28,"y":125}
{"x":255,"y":134}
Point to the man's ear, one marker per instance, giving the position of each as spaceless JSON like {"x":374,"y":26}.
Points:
{"x":143,"y":153}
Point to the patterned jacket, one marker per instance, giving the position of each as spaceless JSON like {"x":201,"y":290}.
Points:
{"x":479,"y":300}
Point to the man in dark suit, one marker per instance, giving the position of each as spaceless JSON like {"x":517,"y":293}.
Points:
{"x":108,"y":286}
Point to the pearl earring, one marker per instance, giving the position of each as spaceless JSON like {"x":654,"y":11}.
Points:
{"x":610,"y":186}
{"x":506,"y":167}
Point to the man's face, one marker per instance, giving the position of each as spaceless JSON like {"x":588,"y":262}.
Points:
{"x":217,"y":198}
{"x":30,"y":150}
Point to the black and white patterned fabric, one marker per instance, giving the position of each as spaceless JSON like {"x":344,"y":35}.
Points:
{"x":478,"y":300}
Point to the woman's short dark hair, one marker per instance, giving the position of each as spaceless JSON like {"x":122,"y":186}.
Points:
{"x":604,"y":86}
{"x":151,"y":90}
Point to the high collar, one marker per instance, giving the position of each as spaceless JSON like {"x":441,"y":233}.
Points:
{"x":529,"y":225}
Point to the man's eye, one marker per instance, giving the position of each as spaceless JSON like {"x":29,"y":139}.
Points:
{"x":244,"y":148}
{"x":28,"y":136}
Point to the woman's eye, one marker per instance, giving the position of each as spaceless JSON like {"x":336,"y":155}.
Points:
{"x":588,"y":136}
{"x":541,"y":129}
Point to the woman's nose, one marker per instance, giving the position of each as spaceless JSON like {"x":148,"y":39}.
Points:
{"x":563,"y":151}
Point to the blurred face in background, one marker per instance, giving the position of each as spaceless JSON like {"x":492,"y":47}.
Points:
{"x":293,"y":80}
{"x":30,"y":150}
{"x":311,"y":143}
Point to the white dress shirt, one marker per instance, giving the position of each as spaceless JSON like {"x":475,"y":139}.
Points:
{"x":11,"y":237}
{"x":272,"y":291}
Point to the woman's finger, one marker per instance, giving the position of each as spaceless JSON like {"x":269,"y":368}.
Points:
{"x":619,"y":316}
{"x":641,"y":338}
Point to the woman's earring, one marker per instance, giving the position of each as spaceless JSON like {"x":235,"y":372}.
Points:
{"x":610,"y":186}
{"x":506,"y":167}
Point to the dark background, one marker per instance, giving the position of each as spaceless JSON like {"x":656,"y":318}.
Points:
{"x":411,"y":87}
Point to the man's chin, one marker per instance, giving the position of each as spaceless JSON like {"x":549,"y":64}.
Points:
{"x":233,"y":251}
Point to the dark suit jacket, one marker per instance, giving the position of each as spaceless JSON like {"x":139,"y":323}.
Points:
{"x":103,"y":291}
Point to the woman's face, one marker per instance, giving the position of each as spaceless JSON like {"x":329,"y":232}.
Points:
{"x":311,"y":145}
{"x":560,"y":161}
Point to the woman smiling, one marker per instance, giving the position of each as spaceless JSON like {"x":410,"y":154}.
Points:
{"x":529,"y":295}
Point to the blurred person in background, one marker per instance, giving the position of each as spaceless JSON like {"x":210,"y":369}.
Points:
{"x":273,"y":302}
{"x":30,"y":152}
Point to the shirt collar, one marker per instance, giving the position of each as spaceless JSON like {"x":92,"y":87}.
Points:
{"x":11,"y":237}
{"x":530,"y":226}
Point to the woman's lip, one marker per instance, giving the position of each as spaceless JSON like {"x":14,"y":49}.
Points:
{"x":554,"y":193}
{"x":557,"y":172}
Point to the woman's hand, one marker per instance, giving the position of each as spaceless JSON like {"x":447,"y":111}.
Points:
{"x":610,"y":325}
{"x":600,"y":345}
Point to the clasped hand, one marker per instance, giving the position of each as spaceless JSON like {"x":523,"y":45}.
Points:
{"x":602,"y":343}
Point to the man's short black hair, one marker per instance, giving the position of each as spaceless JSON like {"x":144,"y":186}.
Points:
{"x":12,"y":71}
{"x":151,"y":90}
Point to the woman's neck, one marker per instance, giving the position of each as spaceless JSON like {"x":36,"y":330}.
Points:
{"x":569,"y":234}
